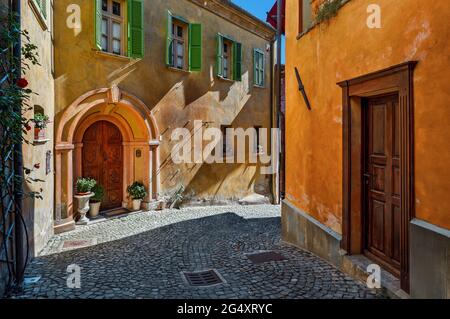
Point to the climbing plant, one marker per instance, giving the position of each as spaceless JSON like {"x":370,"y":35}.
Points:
{"x":15,"y":101}
{"x":328,"y":9}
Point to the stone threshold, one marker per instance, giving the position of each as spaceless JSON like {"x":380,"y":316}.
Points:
{"x":356,"y":266}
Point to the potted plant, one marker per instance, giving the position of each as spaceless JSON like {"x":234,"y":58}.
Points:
{"x":137,"y":193}
{"x":96,"y":200}
{"x":84,"y":187}
{"x":40,"y":123}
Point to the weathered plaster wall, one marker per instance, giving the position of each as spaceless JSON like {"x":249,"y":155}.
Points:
{"x":39,"y":212}
{"x":176,"y":98}
{"x":343,"y":48}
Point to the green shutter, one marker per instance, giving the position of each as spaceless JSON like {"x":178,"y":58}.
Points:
{"x":44,"y":8}
{"x":237,"y":58}
{"x":255,"y":67}
{"x":169,"y":40}
{"x":136,"y":29}
{"x":98,"y":24}
{"x":219,"y":61}
{"x":195,"y":47}
{"x":262,"y":69}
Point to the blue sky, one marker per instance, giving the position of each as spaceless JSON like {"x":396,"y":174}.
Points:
{"x":258,"y":8}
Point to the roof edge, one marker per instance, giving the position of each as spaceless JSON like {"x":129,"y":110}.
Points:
{"x":238,"y":16}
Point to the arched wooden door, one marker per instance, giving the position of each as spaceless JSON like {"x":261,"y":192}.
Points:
{"x":103,"y":160}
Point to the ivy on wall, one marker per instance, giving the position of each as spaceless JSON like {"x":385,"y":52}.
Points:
{"x":328,"y":9}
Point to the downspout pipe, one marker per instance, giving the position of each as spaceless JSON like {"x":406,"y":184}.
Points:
{"x":278,"y":84}
{"x":18,"y":170}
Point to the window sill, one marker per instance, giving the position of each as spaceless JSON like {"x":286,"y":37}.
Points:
{"x":112,"y":56}
{"x":178,"y":70}
{"x":42,"y":21}
{"x":259,"y":86}
{"x":225,"y":79}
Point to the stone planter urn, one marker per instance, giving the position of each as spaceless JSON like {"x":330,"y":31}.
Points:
{"x":136,"y":204}
{"x":83,"y":207}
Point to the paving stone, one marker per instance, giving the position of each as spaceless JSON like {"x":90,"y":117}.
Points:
{"x":143,"y":255}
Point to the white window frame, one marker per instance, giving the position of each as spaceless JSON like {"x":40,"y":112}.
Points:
{"x":110,"y":20}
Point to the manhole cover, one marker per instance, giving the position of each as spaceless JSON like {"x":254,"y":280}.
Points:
{"x":263,"y":257}
{"x":203,"y":278}
{"x":77,"y":244}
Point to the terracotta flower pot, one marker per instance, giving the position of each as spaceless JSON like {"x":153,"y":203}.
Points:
{"x":94,"y":209}
{"x":39,"y":134}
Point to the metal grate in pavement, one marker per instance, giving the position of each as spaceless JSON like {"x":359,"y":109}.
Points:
{"x":266,"y":256}
{"x":203,"y":278}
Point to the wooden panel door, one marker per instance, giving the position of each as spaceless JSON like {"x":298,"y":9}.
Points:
{"x":382,"y":182}
{"x":103,"y":160}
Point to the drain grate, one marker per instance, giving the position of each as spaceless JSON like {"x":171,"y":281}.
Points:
{"x":263,"y":257}
{"x":203,"y":278}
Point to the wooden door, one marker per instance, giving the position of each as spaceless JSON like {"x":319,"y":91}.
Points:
{"x":382,"y":181}
{"x":103,"y":160}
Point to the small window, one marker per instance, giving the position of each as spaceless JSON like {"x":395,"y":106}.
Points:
{"x":229,"y":59}
{"x":112,"y":27}
{"x":259,"y":68}
{"x":179,"y":48}
{"x":304,"y":15}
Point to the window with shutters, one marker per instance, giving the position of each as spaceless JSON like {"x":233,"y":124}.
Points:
{"x":40,"y":9}
{"x":258,"y":68}
{"x":184,"y":44}
{"x":119,"y":27}
{"x":229,"y":58}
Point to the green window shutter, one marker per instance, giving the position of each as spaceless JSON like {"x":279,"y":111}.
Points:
{"x":262,"y":70}
{"x":169,"y":40}
{"x":237,"y":57}
{"x":255,"y":67}
{"x":219,"y":52}
{"x":98,"y":24}
{"x":44,"y":8}
{"x":195,"y":47}
{"x":136,"y":29}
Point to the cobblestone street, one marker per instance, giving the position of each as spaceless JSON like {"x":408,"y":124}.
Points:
{"x":143,"y":256}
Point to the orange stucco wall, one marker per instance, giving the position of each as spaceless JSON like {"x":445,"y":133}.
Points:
{"x":343,"y":48}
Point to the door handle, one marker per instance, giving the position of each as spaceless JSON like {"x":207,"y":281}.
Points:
{"x":367,"y":178}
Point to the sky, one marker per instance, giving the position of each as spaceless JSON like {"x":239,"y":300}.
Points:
{"x":259,"y":8}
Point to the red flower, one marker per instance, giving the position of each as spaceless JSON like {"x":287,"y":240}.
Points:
{"x":28,"y":127}
{"x":37,"y":166}
{"x":22,"y":83}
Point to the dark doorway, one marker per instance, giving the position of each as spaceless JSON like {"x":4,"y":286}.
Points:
{"x":103,"y":160}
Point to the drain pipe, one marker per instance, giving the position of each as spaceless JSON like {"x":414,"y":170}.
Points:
{"x":278,"y":94}
{"x":18,"y":170}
